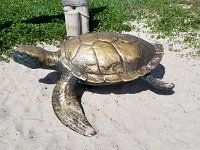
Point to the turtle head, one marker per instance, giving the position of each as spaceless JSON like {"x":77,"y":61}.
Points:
{"x":35,"y":57}
{"x":26,"y":60}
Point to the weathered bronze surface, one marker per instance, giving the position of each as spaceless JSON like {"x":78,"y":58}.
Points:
{"x":97,"y":59}
{"x":109,"y":57}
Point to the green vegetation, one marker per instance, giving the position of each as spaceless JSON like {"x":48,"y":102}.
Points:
{"x":172,"y":18}
{"x":169,"y":16}
{"x":30,"y":21}
{"x":111,"y":15}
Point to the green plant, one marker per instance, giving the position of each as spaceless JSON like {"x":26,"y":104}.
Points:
{"x":27,"y":22}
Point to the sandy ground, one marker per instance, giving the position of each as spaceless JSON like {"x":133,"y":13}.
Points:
{"x":131,"y":116}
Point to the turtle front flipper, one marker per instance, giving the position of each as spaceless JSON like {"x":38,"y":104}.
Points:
{"x":67,"y":107}
{"x":158,"y":83}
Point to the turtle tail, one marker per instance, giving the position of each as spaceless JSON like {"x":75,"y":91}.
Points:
{"x":35,"y":57}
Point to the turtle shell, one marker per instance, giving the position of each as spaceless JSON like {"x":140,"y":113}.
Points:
{"x":107,"y":57}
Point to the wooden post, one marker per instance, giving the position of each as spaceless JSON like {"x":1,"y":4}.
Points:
{"x":76,"y":17}
{"x":84,"y":18}
{"x":72,"y":21}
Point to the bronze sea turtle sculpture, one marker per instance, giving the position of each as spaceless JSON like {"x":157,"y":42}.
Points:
{"x":96,"y":59}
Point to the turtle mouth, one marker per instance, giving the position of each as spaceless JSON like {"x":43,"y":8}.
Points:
{"x":26,"y":60}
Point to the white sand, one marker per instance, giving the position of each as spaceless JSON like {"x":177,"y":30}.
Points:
{"x":131,"y":116}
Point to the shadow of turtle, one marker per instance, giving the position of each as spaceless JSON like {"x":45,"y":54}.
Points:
{"x":51,"y":78}
{"x":132,"y":87}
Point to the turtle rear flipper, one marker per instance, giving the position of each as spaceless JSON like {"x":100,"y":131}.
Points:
{"x":35,"y":57}
{"x":158,"y":83}
{"x":67,"y":107}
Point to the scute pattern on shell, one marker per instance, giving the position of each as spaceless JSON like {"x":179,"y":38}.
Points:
{"x":108,"y":57}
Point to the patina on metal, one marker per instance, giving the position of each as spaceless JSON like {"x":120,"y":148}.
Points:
{"x":96,"y":59}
